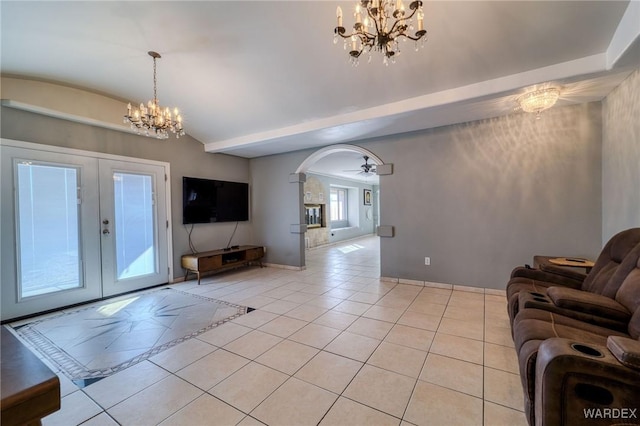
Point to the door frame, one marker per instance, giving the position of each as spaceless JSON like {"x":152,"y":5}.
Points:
{"x":99,"y":155}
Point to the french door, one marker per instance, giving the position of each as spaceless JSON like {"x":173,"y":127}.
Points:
{"x":133,"y":228}
{"x":76,"y":227}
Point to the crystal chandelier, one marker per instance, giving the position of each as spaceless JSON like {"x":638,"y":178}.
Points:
{"x":378,"y":31}
{"x":152,"y":119}
{"x":539,"y":100}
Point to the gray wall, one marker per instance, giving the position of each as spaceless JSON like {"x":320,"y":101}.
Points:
{"x":277,"y":204}
{"x":480,"y":198}
{"x":621,"y":158}
{"x":365,"y":226}
{"x":185,"y":155}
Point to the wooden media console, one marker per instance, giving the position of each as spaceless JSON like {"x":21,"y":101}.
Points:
{"x":218,"y":260}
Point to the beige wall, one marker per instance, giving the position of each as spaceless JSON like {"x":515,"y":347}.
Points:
{"x":65,"y":99}
{"x":621,"y":158}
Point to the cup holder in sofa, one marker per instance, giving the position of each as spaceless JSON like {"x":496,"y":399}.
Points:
{"x":587,"y":350}
{"x":541,"y":299}
{"x":536,"y":294}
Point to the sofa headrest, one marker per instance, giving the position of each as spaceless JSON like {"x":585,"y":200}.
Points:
{"x":605,"y":278}
{"x":622,"y":243}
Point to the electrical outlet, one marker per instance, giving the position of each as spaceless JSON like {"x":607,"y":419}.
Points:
{"x":427,"y":261}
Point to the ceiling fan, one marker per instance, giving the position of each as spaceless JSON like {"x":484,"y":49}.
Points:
{"x":366,"y":168}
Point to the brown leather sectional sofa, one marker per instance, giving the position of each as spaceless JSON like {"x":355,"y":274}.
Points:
{"x":577,"y":337}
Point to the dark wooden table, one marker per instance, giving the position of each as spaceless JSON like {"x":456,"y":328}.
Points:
{"x":29,"y":389}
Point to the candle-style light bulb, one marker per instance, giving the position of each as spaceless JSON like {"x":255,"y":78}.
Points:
{"x":358,"y":15}
{"x":420,"y":19}
{"x":339,"y":15}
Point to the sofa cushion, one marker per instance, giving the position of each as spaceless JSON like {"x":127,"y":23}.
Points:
{"x":536,"y":324}
{"x":628,"y":294}
{"x":586,"y":302}
{"x":550,"y":324}
{"x":634,"y":325}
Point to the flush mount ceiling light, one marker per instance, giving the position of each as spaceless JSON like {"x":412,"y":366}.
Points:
{"x":152,"y":119}
{"x":539,"y":100}
{"x":378,"y":31}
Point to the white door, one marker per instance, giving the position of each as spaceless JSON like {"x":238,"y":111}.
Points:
{"x":134,"y":226}
{"x":50,"y":231}
{"x":76,"y":228}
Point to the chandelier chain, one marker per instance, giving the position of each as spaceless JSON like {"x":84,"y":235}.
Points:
{"x":155,"y":81}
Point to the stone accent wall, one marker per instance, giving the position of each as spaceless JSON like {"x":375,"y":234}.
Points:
{"x":316,"y":193}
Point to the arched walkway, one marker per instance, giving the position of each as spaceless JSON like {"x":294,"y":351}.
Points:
{"x":333,"y":149}
{"x":324,"y":152}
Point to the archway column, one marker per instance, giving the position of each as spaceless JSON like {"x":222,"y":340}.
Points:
{"x":300,"y":227}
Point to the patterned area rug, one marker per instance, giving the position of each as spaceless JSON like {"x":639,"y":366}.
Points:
{"x":94,"y":342}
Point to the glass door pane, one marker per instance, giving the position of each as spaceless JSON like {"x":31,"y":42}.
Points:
{"x":48,"y":229}
{"x":134,"y":225}
{"x":134,"y":236}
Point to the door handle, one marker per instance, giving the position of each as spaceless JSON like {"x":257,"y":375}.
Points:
{"x":105,"y":232}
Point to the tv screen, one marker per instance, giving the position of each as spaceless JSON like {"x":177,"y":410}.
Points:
{"x":207,"y":200}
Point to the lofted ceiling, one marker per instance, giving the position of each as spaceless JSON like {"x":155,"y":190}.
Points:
{"x":264,"y":77}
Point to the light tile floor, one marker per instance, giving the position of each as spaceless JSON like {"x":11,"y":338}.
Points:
{"x":331,"y":345}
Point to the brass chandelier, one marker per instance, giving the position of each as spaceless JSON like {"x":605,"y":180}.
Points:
{"x":152,"y":119}
{"x":378,"y":31}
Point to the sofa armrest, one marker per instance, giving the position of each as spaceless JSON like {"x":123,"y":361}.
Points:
{"x":549,"y":277}
{"x":570,"y":273}
{"x":626,"y":350}
{"x":573,"y":379}
{"x":590,"y":303}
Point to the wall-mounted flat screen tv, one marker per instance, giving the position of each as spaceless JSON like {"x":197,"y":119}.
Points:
{"x":207,"y":200}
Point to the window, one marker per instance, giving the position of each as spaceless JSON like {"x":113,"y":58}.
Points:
{"x":134,"y":225}
{"x":338,"y":203}
{"x":48,"y":228}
